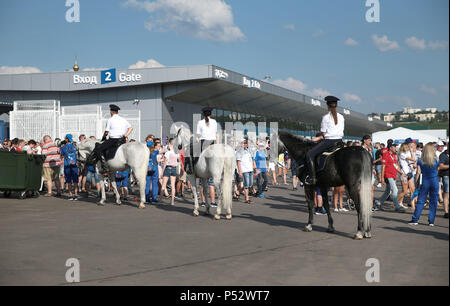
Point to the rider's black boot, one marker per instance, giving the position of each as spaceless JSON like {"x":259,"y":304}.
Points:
{"x":104,"y":165}
{"x":311,"y":178}
{"x":92,"y":158}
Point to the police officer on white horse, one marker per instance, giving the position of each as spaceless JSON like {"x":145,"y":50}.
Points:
{"x":117,"y":128}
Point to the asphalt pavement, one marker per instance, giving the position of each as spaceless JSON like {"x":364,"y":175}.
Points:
{"x":264,"y":244}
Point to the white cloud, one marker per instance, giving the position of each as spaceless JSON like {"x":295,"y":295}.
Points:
{"x":151,"y":63}
{"x":438,"y":45}
{"x":292,"y":84}
{"x":428,"y":90}
{"x":415,"y":43}
{"x":384,"y":44}
{"x":352,"y":98}
{"x":320,"y":92}
{"x":18,"y":69}
{"x":203,"y":19}
{"x":289,"y":27}
{"x":351,"y":42}
{"x":300,"y":87}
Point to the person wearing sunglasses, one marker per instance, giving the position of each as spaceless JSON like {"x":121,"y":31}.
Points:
{"x":332,"y":130}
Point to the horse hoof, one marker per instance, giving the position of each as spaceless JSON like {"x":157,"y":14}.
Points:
{"x":101,"y":203}
{"x":367,"y":235}
{"x":308,"y":228}
{"x":216,"y":217}
{"x":229,"y":217}
{"x":196,"y":214}
{"x":141,"y":206}
{"x":118,"y":203}
{"x":358,"y":236}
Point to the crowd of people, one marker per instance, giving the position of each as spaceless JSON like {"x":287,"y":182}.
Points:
{"x":421,"y":171}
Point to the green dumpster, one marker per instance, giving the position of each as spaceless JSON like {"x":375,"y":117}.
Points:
{"x":20,"y":172}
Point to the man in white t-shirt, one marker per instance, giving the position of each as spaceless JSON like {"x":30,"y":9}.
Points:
{"x":245,"y":165}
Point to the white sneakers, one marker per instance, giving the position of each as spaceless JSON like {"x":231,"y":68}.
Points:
{"x":340,"y":210}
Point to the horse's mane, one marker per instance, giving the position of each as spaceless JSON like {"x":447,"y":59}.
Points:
{"x":296,"y":145}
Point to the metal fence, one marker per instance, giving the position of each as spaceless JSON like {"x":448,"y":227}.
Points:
{"x":35,"y":119}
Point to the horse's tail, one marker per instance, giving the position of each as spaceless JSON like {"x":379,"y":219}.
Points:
{"x":228,"y":169}
{"x":366,"y":191}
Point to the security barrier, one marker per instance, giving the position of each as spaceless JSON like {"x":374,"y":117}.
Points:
{"x":35,"y":119}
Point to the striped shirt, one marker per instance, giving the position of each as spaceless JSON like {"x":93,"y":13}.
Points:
{"x":52,"y":159}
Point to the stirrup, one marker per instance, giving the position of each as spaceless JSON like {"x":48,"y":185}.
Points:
{"x":310,"y":180}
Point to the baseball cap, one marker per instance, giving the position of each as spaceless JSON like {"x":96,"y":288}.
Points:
{"x":440,"y":143}
{"x":408,"y":140}
{"x":70,"y":137}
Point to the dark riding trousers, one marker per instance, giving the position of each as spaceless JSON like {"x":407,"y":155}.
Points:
{"x":205,"y":143}
{"x":321,"y":147}
{"x":109,"y":143}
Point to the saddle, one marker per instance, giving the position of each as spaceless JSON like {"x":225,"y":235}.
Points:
{"x":111,"y":151}
{"x":320,"y":161}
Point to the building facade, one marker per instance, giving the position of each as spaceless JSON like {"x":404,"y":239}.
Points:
{"x":177,"y":94}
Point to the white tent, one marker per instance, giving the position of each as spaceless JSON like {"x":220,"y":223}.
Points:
{"x":400,"y":134}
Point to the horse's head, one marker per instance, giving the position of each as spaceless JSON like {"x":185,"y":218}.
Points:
{"x":296,"y":145}
{"x":183,"y":137}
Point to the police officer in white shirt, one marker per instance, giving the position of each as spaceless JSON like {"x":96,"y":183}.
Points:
{"x":332,"y":129}
{"x":207,"y":129}
{"x":117,"y":128}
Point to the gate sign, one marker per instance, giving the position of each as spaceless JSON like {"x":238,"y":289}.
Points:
{"x":108,"y":76}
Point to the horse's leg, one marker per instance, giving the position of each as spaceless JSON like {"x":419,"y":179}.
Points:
{"x":193,"y":181}
{"x":102,"y":186}
{"x":309,"y":193}
{"x":354,"y":195}
{"x":142,"y":181}
{"x":114,"y":186}
{"x":326,"y":205}
{"x":219,"y":197}
{"x":207,"y":195}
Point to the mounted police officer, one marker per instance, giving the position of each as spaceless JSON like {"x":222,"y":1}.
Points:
{"x":332,"y":130}
{"x":117,"y":128}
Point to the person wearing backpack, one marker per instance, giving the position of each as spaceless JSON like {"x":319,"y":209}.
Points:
{"x":69,"y":153}
{"x":152,"y":172}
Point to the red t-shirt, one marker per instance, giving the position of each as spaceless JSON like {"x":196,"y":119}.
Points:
{"x":390,"y":161}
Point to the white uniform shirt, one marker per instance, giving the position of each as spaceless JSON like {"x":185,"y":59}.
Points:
{"x":207,"y":132}
{"x":331,"y":130}
{"x":117,"y":126}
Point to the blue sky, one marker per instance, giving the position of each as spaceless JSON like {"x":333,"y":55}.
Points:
{"x":317,"y":47}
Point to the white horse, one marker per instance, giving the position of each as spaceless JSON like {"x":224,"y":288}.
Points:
{"x":132,"y":155}
{"x":218,"y":162}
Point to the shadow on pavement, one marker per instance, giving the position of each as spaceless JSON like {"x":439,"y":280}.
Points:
{"x":287,"y":223}
{"x":441,"y":236}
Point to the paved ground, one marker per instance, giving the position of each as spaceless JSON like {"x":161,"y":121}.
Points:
{"x":262,"y":245}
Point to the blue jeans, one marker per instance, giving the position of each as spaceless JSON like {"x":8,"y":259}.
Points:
{"x":152,"y":183}
{"x":91,"y":175}
{"x":261,"y":181}
{"x":248,"y":179}
{"x":429,"y":187}
{"x":391,"y":189}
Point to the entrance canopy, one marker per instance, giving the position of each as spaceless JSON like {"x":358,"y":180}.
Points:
{"x":238,"y":93}
{"x":5,"y":107}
